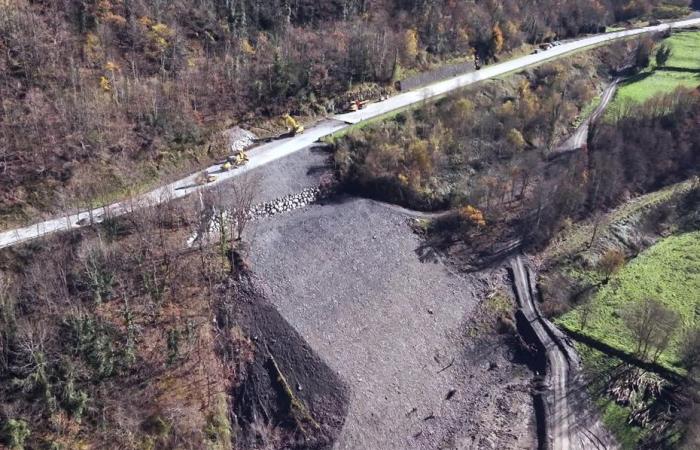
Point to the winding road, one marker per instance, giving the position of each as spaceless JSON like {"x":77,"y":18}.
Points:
{"x":567,"y":427}
{"x":580,"y":137}
{"x":557,"y":366}
{"x":272,"y":151}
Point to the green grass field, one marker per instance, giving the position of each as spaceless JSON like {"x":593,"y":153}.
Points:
{"x":682,"y":69}
{"x":668,"y":272}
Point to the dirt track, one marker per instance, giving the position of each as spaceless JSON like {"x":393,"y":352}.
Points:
{"x":569,"y":424}
{"x":346,"y":276}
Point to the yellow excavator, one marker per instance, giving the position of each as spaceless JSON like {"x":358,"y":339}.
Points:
{"x":293,"y":127}
{"x":237,"y":160}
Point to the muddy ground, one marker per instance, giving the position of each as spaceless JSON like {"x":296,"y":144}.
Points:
{"x":347,"y":277}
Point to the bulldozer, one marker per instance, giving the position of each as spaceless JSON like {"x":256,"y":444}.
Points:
{"x":233,"y":161}
{"x":205,"y":178}
{"x":293,"y":127}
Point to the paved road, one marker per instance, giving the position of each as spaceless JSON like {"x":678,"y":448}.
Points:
{"x":580,"y":137}
{"x":272,"y":151}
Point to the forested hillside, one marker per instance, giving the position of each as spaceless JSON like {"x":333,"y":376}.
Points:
{"x":99,"y":97}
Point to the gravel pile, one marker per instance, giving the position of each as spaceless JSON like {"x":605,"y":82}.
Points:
{"x":346,"y":276}
{"x":239,"y":139}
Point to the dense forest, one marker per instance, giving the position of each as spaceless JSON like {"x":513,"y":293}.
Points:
{"x":101,"y":96}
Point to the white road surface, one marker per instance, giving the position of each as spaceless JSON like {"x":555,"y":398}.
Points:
{"x":278,"y":149}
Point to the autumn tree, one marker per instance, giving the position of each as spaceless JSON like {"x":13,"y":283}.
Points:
{"x":611,"y":262}
{"x":516,"y":139}
{"x":497,"y":40}
{"x":410,"y":46}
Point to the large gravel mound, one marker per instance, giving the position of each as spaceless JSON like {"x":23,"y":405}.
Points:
{"x":346,"y":276}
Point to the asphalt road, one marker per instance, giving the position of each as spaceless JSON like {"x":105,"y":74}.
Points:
{"x":272,"y":151}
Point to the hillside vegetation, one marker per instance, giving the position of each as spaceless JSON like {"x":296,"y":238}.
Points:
{"x":106,"y":340}
{"x":100,"y":97}
{"x":681,"y":68}
{"x":490,"y":153}
{"x":122,"y":336}
{"x":668,"y":272}
{"x":641,"y":407}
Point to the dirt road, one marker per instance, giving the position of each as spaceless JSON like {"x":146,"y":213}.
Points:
{"x":569,"y":422}
{"x":580,"y":137}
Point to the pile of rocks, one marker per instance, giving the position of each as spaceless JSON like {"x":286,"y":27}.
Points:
{"x":217,"y":220}
{"x":238,"y":139}
{"x":286,"y":203}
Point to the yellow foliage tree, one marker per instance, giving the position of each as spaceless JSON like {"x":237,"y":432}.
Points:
{"x":515,"y":138}
{"x":473,"y":215}
{"x":528,"y":101}
{"x":246,"y":47}
{"x":420,"y":158}
{"x":105,"y":84}
{"x":111,"y":66}
{"x":410,"y":45}
{"x":92,"y":48}
{"x":160,"y":33}
{"x":463,"y":108}
{"x":497,"y":40}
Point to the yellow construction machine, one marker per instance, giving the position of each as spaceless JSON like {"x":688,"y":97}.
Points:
{"x":233,"y":161}
{"x":293,"y":127}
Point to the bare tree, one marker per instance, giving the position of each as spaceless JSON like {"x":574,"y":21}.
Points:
{"x":8,"y":321}
{"x":243,"y":193}
{"x":690,"y":351}
{"x":652,"y":325}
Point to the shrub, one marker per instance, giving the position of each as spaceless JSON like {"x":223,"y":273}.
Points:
{"x":15,"y":433}
{"x":611,"y":262}
{"x":92,"y":340}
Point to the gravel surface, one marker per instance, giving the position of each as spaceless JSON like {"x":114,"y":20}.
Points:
{"x":291,"y":174}
{"x":346,"y":276}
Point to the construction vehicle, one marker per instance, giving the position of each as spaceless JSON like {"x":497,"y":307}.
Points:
{"x":205,"y":178}
{"x":237,"y":160}
{"x":356,"y":105}
{"x":293,"y":127}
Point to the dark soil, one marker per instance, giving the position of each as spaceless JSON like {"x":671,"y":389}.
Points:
{"x":261,"y":401}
